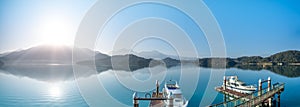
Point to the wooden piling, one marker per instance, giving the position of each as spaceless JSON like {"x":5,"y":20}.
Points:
{"x":269,"y":88}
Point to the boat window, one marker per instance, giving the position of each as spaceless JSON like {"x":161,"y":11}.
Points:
{"x":177,"y":95}
{"x":171,"y":86}
{"x":177,"y":100}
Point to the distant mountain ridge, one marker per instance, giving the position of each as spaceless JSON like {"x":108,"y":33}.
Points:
{"x":123,"y":51}
{"x":290,"y":57}
{"x":63,"y":55}
{"x":153,"y":54}
{"x":285,"y":57}
{"x":49,"y":55}
{"x":44,"y":54}
{"x":20,"y":62}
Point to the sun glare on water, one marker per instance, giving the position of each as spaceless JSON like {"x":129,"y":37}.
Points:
{"x":55,"y":91}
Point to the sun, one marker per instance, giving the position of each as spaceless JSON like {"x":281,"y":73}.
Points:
{"x":56,"y":31}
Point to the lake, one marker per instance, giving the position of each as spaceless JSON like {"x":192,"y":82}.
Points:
{"x":22,"y":89}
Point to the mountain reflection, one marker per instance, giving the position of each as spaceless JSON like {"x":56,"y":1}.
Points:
{"x":288,"y":71}
{"x":54,"y":72}
{"x":51,"y":73}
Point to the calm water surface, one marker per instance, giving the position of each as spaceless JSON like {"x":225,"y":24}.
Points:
{"x":24,"y":91}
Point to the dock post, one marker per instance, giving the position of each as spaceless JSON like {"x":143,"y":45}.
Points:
{"x":224,"y":83}
{"x":225,"y":97}
{"x":157,"y":88}
{"x":135,"y":101}
{"x":269,"y":83}
{"x":269,"y":89}
{"x":259,"y":87}
{"x":278,"y":98}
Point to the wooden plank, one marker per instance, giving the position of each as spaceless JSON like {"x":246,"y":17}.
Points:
{"x":157,"y":103}
{"x":233,"y":93}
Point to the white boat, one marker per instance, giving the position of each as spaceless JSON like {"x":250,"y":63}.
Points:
{"x":173,"y":93}
{"x":233,"y":83}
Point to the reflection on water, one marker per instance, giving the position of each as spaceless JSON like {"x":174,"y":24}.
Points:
{"x":46,"y":73}
{"x":286,"y":70}
{"x":55,"y":91}
{"x":27,"y":92}
{"x":28,"y":87}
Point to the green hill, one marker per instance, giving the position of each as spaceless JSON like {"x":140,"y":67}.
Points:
{"x":292,"y":56}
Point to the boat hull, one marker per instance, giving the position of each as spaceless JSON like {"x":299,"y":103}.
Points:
{"x":246,"y":91}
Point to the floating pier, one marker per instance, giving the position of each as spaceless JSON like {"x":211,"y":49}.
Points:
{"x":254,"y":99}
{"x":156,"y":99}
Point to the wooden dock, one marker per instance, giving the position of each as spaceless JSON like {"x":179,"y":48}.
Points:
{"x":157,"y":103}
{"x":156,"y":99}
{"x":249,"y":100}
{"x":230,"y":92}
{"x":264,"y":96}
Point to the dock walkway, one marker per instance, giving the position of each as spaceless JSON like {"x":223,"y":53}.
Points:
{"x":157,"y":103}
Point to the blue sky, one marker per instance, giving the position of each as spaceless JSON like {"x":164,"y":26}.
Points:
{"x":252,"y":27}
{"x":258,"y":27}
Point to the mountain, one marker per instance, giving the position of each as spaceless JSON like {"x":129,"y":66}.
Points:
{"x":127,"y":62}
{"x":171,"y":62}
{"x":45,"y":63}
{"x":101,"y":56}
{"x":149,"y":54}
{"x":39,"y":61}
{"x":41,"y":53}
{"x":249,"y":59}
{"x":145,"y":54}
{"x":159,"y":55}
{"x":62,"y":55}
{"x":217,"y":62}
{"x":152,"y":54}
{"x":45,"y":55}
{"x":122,"y":52}
{"x":291,"y":56}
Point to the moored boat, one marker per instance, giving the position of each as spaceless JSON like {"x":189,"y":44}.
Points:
{"x":234,"y":84}
{"x":174,"y":95}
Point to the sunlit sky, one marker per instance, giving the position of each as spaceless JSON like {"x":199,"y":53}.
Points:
{"x":27,"y":23}
{"x":254,"y":27}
